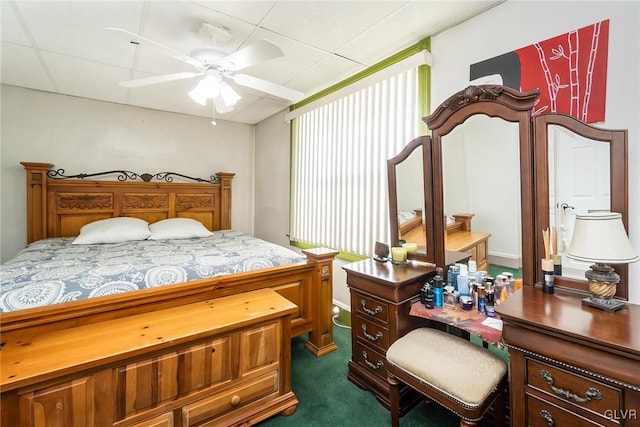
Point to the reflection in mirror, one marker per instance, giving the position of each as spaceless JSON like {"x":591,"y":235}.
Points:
{"x":579,"y":183}
{"x":410,"y":218}
{"x":410,"y":198}
{"x":481,"y":176}
{"x":583,"y":168}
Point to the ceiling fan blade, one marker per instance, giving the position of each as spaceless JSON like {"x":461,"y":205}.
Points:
{"x":158,"y":79}
{"x":255,"y":53}
{"x":164,"y":49}
{"x":268,"y":87}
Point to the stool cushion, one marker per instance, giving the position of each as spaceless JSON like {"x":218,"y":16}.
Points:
{"x":451,"y":365}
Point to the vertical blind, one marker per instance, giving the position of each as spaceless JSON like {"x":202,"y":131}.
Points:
{"x":339,"y":164}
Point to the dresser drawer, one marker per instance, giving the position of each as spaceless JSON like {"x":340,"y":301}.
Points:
{"x":371,"y":333}
{"x":164,"y":420}
{"x":541,"y":413}
{"x":221,"y":403}
{"x":372,"y":360}
{"x":371,"y":308}
{"x":573,"y":388}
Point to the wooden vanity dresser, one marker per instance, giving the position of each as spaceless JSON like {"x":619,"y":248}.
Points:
{"x":571,"y":365}
{"x":381,"y":297}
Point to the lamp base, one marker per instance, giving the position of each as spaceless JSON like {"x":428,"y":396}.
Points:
{"x":609,"y":305}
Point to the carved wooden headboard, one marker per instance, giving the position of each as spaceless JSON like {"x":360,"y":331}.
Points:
{"x":59,"y":205}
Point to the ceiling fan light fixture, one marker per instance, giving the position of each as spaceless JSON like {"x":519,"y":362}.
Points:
{"x":229,"y":96}
{"x":220,"y":106}
{"x":209,"y":87}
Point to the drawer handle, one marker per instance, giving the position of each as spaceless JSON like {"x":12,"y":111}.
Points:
{"x":546,"y":415}
{"x":591,"y":394}
{"x":370,"y":337}
{"x":363,"y":303}
{"x":373,"y":366}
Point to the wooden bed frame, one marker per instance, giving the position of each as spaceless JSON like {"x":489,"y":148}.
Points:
{"x":60,"y":207}
{"x":412,"y":223}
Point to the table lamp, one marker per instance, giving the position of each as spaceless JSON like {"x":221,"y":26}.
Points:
{"x":601,"y":238}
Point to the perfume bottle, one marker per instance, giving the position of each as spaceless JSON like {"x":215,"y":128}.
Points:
{"x":426,"y":295}
{"x":437,"y":291}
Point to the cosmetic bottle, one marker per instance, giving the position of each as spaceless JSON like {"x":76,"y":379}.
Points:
{"x":557,"y":265}
{"x":473,"y":291}
{"x":463,"y":285}
{"x":473,"y":269}
{"x":480,"y":276}
{"x":481,"y":298}
{"x":547,"y":276}
{"x":452,"y":276}
{"x":426,"y":295}
{"x":511,"y":282}
{"x":437,"y":291}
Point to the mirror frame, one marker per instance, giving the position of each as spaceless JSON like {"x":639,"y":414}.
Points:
{"x":427,"y":184}
{"x":618,"y":180}
{"x":493,"y":101}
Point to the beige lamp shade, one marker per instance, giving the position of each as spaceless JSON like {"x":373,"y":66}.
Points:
{"x":601,"y":238}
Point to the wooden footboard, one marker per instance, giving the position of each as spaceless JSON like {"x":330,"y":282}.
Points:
{"x":306,"y":284}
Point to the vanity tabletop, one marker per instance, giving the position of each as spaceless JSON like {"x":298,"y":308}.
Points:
{"x":562,"y":313}
{"x":388,"y":272}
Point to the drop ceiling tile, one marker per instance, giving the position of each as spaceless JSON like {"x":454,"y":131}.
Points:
{"x":408,"y":25}
{"x":76,"y":28}
{"x":327,"y":24}
{"x":331,"y":70}
{"x":11,"y":29}
{"x":297,"y":58}
{"x":252,"y":12}
{"x":87,"y":79}
{"x":20,"y":66}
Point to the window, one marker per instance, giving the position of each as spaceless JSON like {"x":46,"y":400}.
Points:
{"x":339,"y":164}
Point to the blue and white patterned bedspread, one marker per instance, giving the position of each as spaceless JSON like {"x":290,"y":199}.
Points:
{"x":52,"y":271}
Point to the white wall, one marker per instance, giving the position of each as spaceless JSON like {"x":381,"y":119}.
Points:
{"x":84,"y":136}
{"x":515,"y":24}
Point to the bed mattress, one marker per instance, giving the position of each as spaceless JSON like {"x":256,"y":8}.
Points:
{"x":52,"y":271}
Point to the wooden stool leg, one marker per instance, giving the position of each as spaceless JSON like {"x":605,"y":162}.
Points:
{"x":499,"y":407}
{"x":394,"y":400}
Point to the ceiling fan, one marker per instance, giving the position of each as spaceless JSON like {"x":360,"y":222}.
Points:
{"x":216,"y":65}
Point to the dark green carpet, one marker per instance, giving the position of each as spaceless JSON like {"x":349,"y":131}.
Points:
{"x":327,"y":398}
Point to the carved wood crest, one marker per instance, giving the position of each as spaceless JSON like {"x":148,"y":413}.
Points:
{"x":85,"y":201}
{"x":194,"y":201}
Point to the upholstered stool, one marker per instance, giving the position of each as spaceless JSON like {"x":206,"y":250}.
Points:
{"x":459,"y":375}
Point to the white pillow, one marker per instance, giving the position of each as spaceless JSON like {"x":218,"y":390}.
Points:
{"x":113,"y":230}
{"x":178,"y":228}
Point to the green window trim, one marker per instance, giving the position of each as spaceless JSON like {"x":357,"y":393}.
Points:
{"x":424,"y":101}
{"x":424,"y":44}
{"x":342,"y":255}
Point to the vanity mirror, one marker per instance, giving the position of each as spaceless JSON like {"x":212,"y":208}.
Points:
{"x":482,"y":160}
{"x":410,"y":204}
{"x":579,"y":169}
